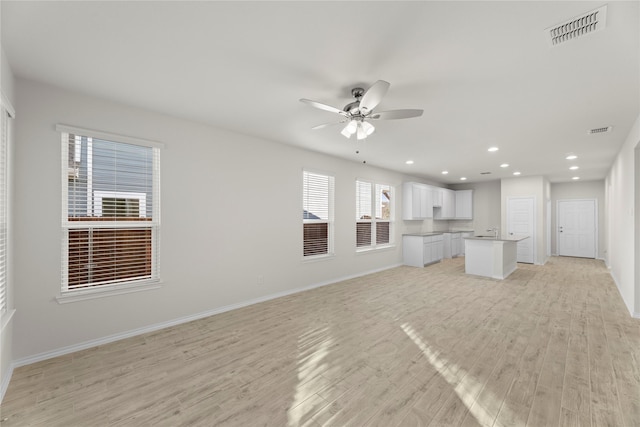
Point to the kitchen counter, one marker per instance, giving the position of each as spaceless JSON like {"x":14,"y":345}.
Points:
{"x":428,"y":233}
{"x":493,"y":257}
{"x":507,"y":238}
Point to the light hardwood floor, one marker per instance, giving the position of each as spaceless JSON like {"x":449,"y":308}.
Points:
{"x":552,"y":345}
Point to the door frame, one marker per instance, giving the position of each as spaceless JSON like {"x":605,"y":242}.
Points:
{"x":533,"y":225}
{"x":595,"y":220}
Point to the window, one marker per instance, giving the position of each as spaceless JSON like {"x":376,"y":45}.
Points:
{"x":317,"y":214}
{"x":373,"y":215}
{"x":111,"y":206}
{"x":3,"y":207}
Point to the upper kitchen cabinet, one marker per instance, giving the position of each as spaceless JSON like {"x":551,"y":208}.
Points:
{"x":417,"y":201}
{"x":447,"y":209}
{"x":464,"y":204}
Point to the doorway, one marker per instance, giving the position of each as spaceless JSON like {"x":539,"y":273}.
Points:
{"x":577,"y":228}
{"x":521,"y":221}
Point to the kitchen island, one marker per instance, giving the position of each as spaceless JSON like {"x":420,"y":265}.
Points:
{"x":489,"y":256}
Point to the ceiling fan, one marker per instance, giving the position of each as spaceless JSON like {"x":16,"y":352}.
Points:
{"x":357,"y":114}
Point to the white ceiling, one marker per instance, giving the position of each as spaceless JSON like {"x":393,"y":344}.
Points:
{"x":483,"y":72}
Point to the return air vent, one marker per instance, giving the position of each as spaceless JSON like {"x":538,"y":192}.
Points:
{"x":587,"y":23}
{"x":601,"y":130}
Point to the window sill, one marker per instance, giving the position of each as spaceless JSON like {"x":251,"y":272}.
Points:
{"x":107,"y":291}
{"x":376,"y":249}
{"x":317,"y":258}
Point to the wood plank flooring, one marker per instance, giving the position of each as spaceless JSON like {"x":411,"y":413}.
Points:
{"x":552,"y":345}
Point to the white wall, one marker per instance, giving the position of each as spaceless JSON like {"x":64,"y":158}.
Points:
{"x":579,"y":190}
{"x":231,"y":211}
{"x":6,"y":320}
{"x":621,"y":226}
{"x":486,"y":206}
{"x":535,"y":186}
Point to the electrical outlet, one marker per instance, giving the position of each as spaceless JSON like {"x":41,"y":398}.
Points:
{"x":260,"y":280}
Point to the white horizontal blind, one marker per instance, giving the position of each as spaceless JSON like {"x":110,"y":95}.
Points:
{"x":363,"y":213}
{"x":3,"y":209}
{"x":111,"y":206}
{"x":373,"y":214}
{"x":383,"y":214}
{"x":317,"y":213}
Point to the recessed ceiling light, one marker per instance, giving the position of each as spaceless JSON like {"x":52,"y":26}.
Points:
{"x":575,"y":178}
{"x":574,"y":168}
{"x":492,"y":149}
{"x":464,"y":178}
{"x":409,"y":162}
{"x":516,"y":173}
{"x":445,"y":172}
{"x":504,"y":165}
{"x":571,"y":157}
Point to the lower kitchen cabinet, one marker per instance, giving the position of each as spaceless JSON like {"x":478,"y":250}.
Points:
{"x":419,"y":250}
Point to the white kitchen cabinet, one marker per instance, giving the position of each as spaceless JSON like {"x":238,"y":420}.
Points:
{"x":417,"y":201}
{"x":451,"y":245}
{"x":420,"y":250}
{"x":448,"y":208}
{"x":456,"y":242}
{"x":436,"y":194}
{"x":464,"y":204}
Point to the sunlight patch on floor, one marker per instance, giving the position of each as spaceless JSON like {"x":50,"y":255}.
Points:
{"x":466,"y":387}
{"x":309,"y":368}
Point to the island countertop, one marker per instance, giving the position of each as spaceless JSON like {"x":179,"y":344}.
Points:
{"x":502,"y":238}
{"x":423,"y":234}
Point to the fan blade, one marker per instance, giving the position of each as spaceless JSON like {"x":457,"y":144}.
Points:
{"x":373,"y":96}
{"x":324,"y":125}
{"x":323,"y":106}
{"x":396,"y":114}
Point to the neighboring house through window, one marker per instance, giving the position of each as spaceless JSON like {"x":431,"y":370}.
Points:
{"x":374,"y":218}
{"x":317,"y":214}
{"x":111,"y":210}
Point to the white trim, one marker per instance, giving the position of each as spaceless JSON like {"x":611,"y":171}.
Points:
{"x":103,"y":291}
{"x":155,"y":327}
{"x":317,"y":258}
{"x":108,"y":136}
{"x":6,"y":379}
{"x":632,"y":313}
{"x":380,"y":248}
{"x":6,"y":376}
{"x":6,"y":318}
{"x":7,"y":105}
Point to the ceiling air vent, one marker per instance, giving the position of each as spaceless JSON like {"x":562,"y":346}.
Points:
{"x":579,"y":26}
{"x":601,"y":130}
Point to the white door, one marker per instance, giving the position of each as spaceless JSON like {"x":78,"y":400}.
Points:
{"x":577,"y":228}
{"x":521,"y":221}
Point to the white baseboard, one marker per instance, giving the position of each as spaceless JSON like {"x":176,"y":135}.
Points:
{"x":151,"y":328}
{"x":636,"y":315}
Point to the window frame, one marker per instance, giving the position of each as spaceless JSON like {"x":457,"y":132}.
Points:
{"x":8,"y":113}
{"x":117,"y":286}
{"x":376,"y":191}
{"x":330,"y":221}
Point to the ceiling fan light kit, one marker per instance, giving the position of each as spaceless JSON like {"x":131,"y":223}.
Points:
{"x":359,"y":112}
